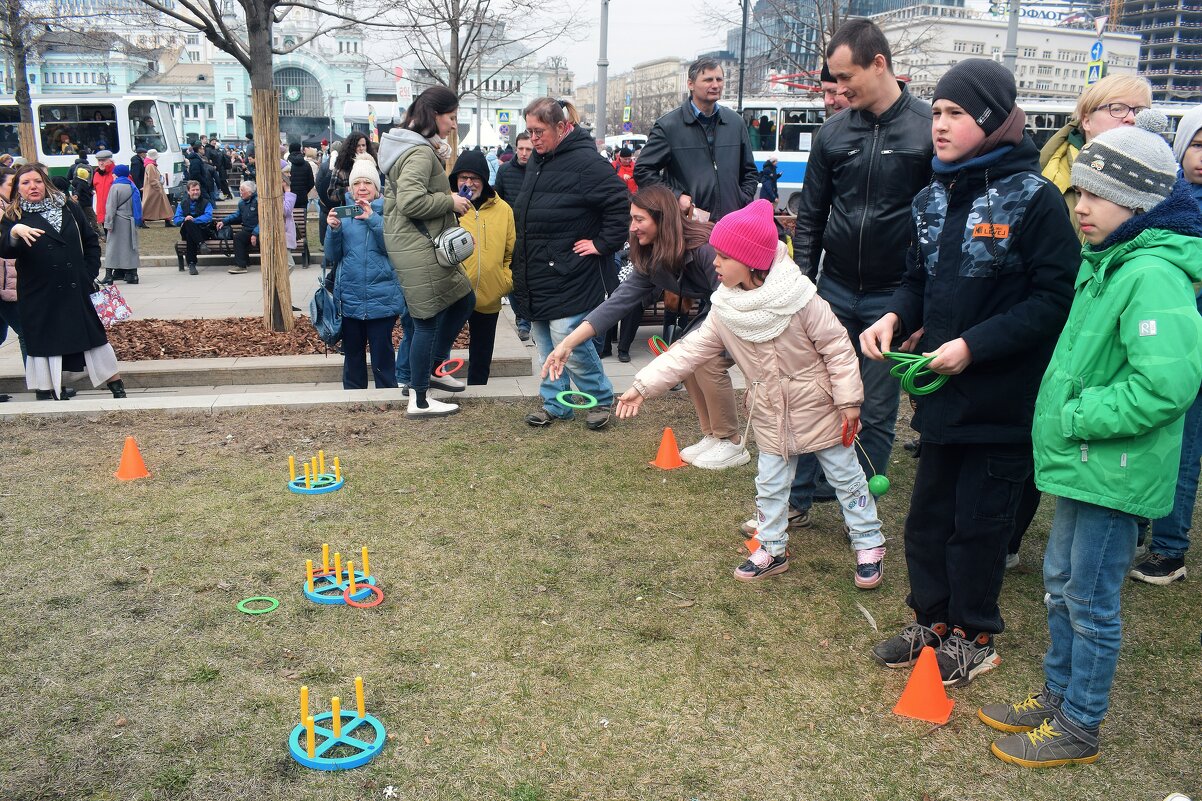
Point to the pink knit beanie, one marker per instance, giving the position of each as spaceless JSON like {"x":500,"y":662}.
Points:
{"x":748,"y":235}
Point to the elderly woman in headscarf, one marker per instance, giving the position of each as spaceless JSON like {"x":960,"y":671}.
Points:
{"x":122,"y":216}
{"x":57,"y":258}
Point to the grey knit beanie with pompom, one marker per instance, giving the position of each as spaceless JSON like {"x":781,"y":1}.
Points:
{"x":1130,"y":165}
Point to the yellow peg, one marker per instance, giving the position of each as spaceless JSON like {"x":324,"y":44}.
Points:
{"x":337,"y":470}
{"x":366,"y":569}
{"x":321,"y":460}
{"x":336,"y":708}
{"x":305,"y":703}
{"x":350,"y":576}
{"x":292,"y":468}
{"x":337,"y":567}
{"x":359,"y":697}
{"x":309,"y":577}
{"x":314,"y":463}
{"x":325,"y":557}
{"x":311,"y":736}
{"x":308,"y":480}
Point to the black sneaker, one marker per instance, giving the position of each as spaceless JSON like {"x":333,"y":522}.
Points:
{"x":760,"y":566}
{"x":1159,"y":569}
{"x":524,"y":334}
{"x":1053,"y":743}
{"x":961,"y":659}
{"x":1017,"y":718}
{"x":540,"y":418}
{"x":902,"y":649}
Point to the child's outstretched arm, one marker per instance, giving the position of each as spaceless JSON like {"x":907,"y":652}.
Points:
{"x":673,"y":365}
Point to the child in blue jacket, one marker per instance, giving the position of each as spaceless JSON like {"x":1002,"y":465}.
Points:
{"x":366,"y":289}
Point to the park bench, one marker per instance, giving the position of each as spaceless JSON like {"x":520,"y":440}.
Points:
{"x":225,"y":247}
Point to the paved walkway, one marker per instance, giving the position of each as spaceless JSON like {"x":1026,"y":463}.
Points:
{"x":166,"y":293}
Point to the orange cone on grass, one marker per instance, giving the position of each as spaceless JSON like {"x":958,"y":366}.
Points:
{"x":131,"y":466}
{"x":668,"y":457}
{"x":924,"y":697}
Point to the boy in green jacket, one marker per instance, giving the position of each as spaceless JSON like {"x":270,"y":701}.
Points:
{"x":1108,"y":425}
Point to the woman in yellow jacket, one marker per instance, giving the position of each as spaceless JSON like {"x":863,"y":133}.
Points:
{"x":490,"y":221}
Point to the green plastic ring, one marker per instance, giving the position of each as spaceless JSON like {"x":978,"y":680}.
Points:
{"x":589,"y":403}
{"x":242,"y":605}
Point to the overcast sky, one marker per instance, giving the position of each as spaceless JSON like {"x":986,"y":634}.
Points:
{"x":642,"y":30}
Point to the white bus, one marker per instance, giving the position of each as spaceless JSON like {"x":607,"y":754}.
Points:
{"x":783,"y":127}
{"x":121,"y":124}
{"x":629,"y":140}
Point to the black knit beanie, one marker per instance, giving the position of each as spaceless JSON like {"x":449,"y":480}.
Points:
{"x":826,"y":76}
{"x":983,"y":88}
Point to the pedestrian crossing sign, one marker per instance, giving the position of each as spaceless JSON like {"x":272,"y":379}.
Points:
{"x":1093,"y":72}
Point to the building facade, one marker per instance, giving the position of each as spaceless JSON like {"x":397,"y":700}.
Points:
{"x":1052,"y":59}
{"x":1171,"y":54}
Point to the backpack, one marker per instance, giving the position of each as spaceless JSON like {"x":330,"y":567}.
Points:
{"x":325,"y":314}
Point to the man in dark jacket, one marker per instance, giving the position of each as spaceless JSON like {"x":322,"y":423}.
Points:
{"x":572,"y":215}
{"x":220,"y":159}
{"x":247,"y":236}
{"x":301,"y":181}
{"x":137,"y":168}
{"x":513,"y":172}
{"x":701,"y":150}
{"x":325,"y":174}
{"x":198,"y":171}
{"x":509,"y":186}
{"x":866,"y":165}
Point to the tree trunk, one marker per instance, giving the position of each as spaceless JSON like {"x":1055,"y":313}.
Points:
{"x":16,"y":41}
{"x":273,"y":248}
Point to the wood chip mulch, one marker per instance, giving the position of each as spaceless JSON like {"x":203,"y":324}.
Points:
{"x":147,"y":340}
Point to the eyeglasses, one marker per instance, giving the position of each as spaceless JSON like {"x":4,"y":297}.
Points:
{"x":537,"y":133}
{"x":1120,"y":110}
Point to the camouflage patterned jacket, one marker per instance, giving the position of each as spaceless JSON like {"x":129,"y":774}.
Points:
{"x":993,"y":262}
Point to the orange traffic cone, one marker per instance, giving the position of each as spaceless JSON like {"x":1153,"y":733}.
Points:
{"x":752,"y":545}
{"x":131,"y":466}
{"x":668,"y":457}
{"x":924,"y":697}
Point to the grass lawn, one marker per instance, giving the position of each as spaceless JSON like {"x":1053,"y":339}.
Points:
{"x":560,"y":623}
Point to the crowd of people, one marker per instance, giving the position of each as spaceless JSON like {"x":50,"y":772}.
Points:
{"x":1054,"y":292}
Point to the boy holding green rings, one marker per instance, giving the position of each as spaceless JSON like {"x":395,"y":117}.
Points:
{"x":989,"y":283}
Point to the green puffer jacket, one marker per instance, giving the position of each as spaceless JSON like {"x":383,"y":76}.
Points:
{"x":417,"y":188}
{"x":1109,"y":416}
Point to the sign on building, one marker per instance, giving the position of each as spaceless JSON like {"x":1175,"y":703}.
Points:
{"x":1093,"y":72}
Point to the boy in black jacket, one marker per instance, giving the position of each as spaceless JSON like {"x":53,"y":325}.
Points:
{"x":990,"y":281}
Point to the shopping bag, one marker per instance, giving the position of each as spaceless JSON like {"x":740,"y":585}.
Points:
{"x":111,"y":306}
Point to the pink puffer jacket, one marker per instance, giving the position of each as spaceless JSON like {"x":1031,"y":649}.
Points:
{"x":797,"y":382}
{"x":8,"y":279}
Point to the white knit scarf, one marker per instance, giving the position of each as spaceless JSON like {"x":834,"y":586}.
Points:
{"x":761,"y":314}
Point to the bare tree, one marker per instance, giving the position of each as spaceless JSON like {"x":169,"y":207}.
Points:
{"x":243,"y":29}
{"x":453,"y":40}
{"x":790,"y":37}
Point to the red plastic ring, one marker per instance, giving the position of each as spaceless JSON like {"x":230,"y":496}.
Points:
{"x":849,"y":434}
{"x":442,"y":371}
{"x":657,"y":345}
{"x":377,"y":596}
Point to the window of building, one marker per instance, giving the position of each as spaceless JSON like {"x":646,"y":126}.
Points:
{"x":1047,"y":55}
{"x":1028,"y":52}
{"x":229,"y":85}
{"x":960,"y":47}
{"x":229,"y":112}
{"x":193,"y":39}
{"x":348,"y":88}
{"x":977,"y":48}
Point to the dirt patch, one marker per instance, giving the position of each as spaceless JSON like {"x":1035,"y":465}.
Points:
{"x":147,"y":340}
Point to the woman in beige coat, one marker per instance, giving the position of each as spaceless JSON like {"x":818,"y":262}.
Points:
{"x":155,"y":205}
{"x":804,"y":391}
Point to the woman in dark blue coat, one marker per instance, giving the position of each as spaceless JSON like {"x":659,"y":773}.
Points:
{"x":365,"y":287}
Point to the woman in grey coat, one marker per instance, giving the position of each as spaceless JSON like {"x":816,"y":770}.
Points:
{"x":122,"y":216}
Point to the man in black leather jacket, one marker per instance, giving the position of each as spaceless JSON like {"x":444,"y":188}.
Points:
{"x":701,"y":151}
{"x":866,"y":165}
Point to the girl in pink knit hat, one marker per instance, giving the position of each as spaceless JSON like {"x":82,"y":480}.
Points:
{"x":804,"y":390}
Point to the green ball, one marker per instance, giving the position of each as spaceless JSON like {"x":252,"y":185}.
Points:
{"x":878,"y":485}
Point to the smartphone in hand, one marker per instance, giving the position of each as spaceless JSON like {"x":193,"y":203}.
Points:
{"x":347,"y":212}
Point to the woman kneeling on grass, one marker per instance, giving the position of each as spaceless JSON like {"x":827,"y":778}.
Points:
{"x":58,"y":261}
{"x":365,"y":286}
{"x":804,"y":378}
{"x":672,"y":254}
